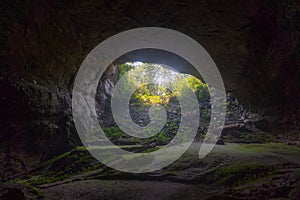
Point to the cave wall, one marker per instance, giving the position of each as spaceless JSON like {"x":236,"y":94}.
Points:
{"x":254,"y":44}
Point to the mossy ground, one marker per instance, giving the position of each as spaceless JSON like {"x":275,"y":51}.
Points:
{"x":269,"y":147}
{"x":234,"y":175}
{"x":233,"y":169}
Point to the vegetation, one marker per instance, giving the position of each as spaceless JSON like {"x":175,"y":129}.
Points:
{"x":113,"y":132}
{"x":165,"y":83}
{"x":73,"y":162}
{"x":164,"y":87}
{"x":270,"y":147}
{"x":234,"y":175}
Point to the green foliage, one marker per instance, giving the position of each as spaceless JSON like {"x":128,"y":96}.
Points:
{"x":113,"y":132}
{"x":205,"y":116}
{"x":148,"y":95}
{"x":162,"y":138}
{"x":198,"y":87}
{"x":165,"y":84}
{"x":123,"y":68}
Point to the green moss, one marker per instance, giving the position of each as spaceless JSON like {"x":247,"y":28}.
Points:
{"x":151,"y":150}
{"x":239,"y":174}
{"x":163,"y":138}
{"x":270,"y":147}
{"x":74,"y":162}
{"x":113,"y":132}
{"x":260,"y":137}
{"x":41,"y":179}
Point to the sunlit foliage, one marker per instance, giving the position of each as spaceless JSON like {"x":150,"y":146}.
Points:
{"x":165,"y":83}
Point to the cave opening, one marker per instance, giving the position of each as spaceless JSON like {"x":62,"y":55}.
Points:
{"x":157,"y":84}
{"x":169,"y":76}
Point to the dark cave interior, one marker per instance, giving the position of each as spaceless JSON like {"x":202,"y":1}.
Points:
{"x":255,"y":46}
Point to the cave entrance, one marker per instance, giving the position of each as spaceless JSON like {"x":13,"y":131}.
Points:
{"x":166,"y":84}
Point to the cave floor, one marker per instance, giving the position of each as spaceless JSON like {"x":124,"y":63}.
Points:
{"x":231,"y":171}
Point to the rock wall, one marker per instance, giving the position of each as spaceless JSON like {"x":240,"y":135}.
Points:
{"x":43,"y":43}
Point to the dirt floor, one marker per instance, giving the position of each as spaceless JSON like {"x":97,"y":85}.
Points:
{"x":231,"y":171}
